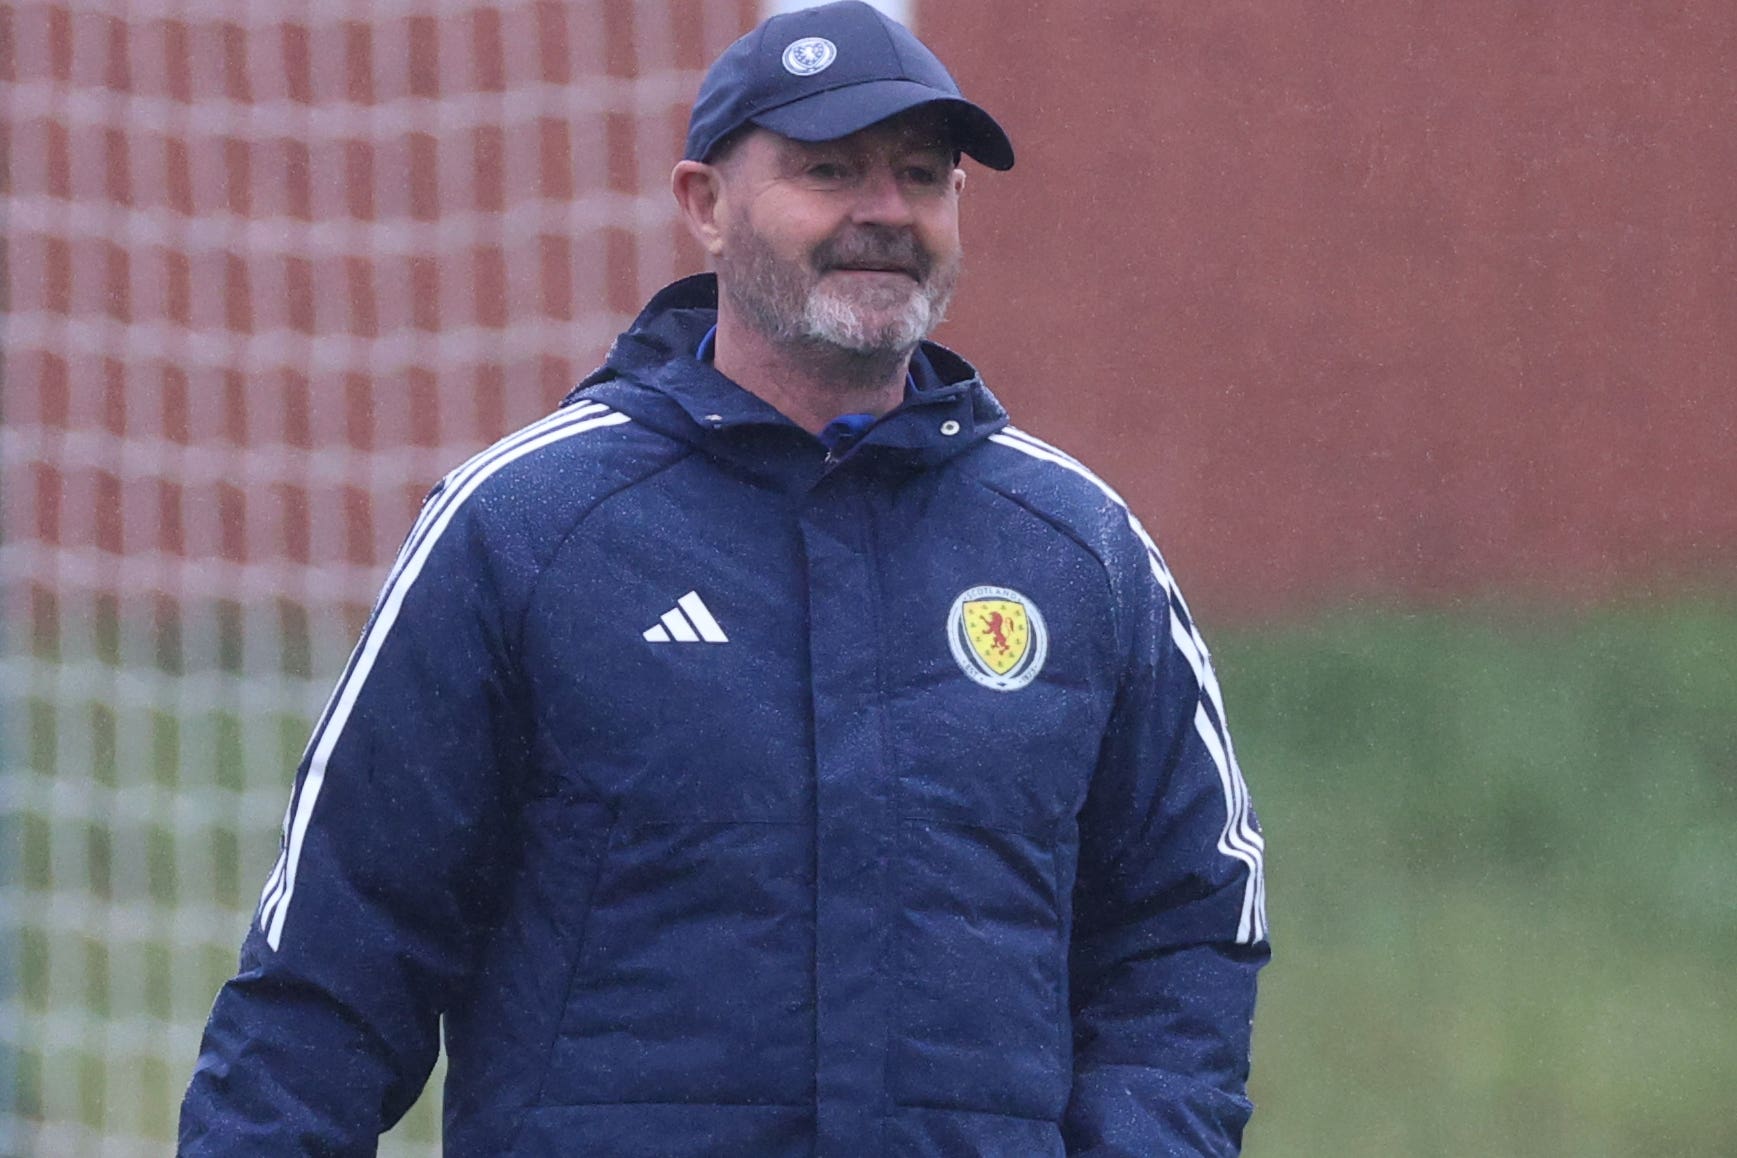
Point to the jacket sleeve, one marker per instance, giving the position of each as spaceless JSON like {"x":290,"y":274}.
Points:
{"x":327,"y":1033}
{"x":1170,"y":924}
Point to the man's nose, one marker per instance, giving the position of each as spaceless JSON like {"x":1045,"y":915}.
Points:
{"x":882,"y":198}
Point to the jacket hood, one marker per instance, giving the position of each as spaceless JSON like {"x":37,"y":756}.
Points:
{"x":652,"y":373}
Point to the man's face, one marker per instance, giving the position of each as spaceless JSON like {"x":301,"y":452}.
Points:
{"x":852,"y":243}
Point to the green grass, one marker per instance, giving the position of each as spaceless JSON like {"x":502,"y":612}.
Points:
{"x":1502,"y":853}
{"x":1503,"y":862}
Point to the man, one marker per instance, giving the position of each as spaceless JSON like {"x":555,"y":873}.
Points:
{"x":772,"y":752}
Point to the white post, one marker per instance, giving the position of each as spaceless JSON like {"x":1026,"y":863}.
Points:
{"x":904,"y":11}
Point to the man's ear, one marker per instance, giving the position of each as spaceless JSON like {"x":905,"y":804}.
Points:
{"x":699,"y":189}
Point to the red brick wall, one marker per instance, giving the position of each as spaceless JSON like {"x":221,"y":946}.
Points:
{"x":1354,"y":297}
{"x":1368,"y":297}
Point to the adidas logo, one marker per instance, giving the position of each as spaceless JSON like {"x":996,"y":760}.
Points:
{"x":687,"y":622}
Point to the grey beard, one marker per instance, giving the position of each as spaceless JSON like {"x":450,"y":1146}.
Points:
{"x":791,"y":307}
{"x":837,"y":321}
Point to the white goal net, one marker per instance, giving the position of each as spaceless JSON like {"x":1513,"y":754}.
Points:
{"x":270,"y":270}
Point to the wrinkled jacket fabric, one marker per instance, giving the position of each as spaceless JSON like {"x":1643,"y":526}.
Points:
{"x":811,"y":889}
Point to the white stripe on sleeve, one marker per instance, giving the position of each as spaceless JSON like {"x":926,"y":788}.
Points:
{"x":434,"y":520}
{"x":1239,"y":839}
{"x":431,"y":510}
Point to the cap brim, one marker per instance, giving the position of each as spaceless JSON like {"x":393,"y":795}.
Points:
{"x":839,"y":112}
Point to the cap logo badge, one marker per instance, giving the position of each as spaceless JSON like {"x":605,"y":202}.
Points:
{"x":997,"y":637}
{"x":809,"y":55}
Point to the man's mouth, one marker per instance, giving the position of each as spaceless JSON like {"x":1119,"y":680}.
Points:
{"x":869,"y":253}
{"x":870,"y":267}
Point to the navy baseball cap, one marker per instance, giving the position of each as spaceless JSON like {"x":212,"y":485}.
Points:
{"x":824,"y":73}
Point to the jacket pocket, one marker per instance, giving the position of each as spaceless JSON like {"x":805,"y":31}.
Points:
{"x":499,"y":1038}
{"x":696,"y":980}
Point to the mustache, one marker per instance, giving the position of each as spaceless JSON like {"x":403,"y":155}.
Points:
{"x":875,"y":248}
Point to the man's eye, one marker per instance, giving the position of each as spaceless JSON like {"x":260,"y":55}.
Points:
{"x":827,"y":171}
{"x":923,"y":175}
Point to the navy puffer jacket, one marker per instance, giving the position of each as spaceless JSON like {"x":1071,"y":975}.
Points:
{"x":728,"y":797}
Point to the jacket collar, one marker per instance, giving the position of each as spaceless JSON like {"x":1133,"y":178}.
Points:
{"x":652,"y":373}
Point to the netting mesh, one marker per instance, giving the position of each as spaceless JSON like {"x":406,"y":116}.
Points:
{"x":270,"y":270}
